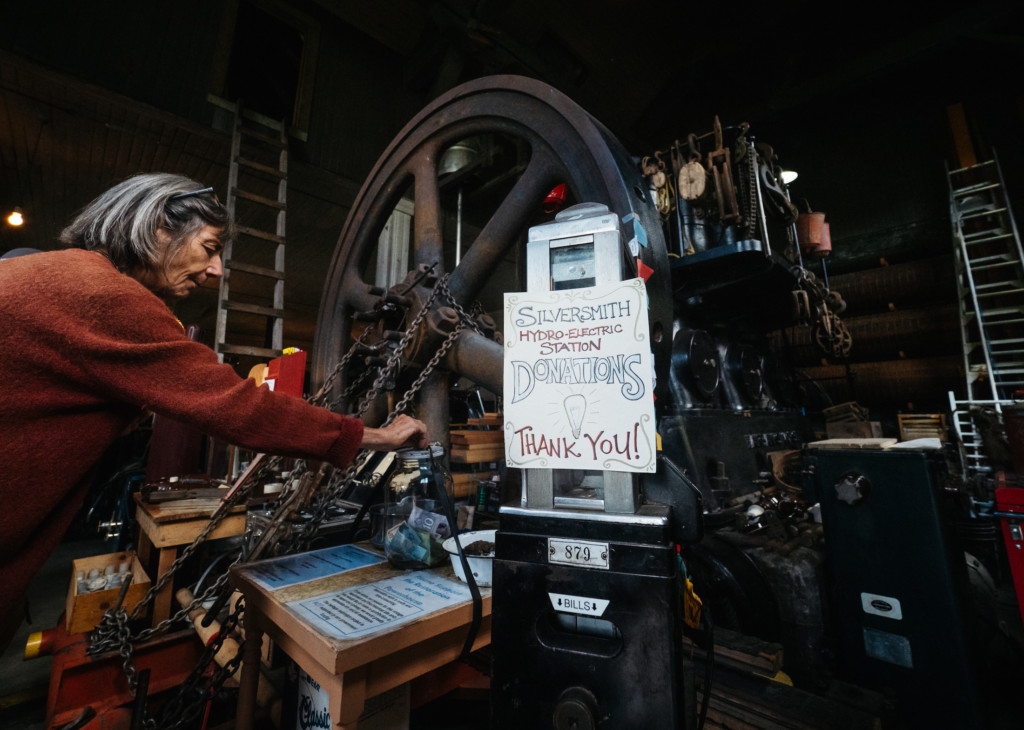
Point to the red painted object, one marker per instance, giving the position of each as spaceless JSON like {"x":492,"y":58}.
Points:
{"x":555,"y":200}
{"x":1009,"y":503}
{"x":78,"y":681}
{"x":287,"y":374}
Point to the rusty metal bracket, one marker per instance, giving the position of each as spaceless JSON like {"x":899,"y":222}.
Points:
{"x":719,"y":166}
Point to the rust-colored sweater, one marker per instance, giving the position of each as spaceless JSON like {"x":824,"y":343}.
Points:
{"x":84,"y":350}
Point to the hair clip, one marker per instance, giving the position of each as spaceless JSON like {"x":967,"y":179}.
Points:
{"x":193,"y":193}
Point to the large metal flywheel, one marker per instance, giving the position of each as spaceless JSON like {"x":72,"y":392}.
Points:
{"x":552,"y":141}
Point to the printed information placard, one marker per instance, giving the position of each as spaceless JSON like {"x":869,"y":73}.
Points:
{"x":287,"y":571}
{"x":364,"y":609}
{"x":578,"y":379}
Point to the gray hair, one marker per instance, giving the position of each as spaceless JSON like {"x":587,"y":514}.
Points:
{"x":122,"y":223}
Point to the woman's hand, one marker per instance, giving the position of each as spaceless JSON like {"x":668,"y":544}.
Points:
{"x":404,"y":432}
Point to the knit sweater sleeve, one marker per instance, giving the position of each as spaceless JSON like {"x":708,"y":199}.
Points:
{"x":129,"y":347}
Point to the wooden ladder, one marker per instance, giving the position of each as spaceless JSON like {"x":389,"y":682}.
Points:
{"x":252,"y":286}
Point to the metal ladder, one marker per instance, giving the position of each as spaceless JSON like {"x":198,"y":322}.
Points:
{"x":252,"y":285}
{"x":974,"y":459}
{"x":990,"y":281}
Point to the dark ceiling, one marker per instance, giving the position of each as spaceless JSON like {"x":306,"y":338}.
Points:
{"x":650,"y":71}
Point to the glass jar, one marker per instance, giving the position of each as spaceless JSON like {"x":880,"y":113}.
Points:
{"x":415,"y":523}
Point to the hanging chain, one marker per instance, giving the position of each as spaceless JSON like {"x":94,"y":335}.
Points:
{"x":198,"y":688}
{"x":337,"y":485}
{"x":465,"y":318}
{"x":112,"y":633}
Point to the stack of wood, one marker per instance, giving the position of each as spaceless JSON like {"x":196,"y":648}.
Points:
{"x":464,"y":483}
{"x":922,"y":425}
{"x":481,"y":443}
{"x":750,"y":692}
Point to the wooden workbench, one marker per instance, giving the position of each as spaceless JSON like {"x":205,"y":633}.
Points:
{"x":165,"y":531}
{"x":350,"y":670}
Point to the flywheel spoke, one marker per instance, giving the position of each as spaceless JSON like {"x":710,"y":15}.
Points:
{"x":357,"y":293}
{"x":428,"y":243}
{"x":504,"y":227}
{"x":507,"y":120}
{"x":432,"y":403}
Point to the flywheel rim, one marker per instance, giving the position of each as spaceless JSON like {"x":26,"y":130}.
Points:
{"x":566,"y":145}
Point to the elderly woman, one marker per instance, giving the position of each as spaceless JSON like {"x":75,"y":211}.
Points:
{"x":89,"y":344}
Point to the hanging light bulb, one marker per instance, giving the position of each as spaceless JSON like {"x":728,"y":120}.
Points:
{"x":575,"y":408}
{"x":788,"y":176}
{"x":16,"y":218}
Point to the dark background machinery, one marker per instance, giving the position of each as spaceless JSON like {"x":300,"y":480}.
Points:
{"x":861,"y":113}
{"x":733,"y":413}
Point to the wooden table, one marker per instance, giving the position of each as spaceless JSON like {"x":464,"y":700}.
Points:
{"x":350,"y":670}
{"x":166,"y":531}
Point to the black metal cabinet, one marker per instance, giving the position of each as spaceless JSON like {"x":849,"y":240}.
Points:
{"x":585,"y":647}
{"x":898,"y":580}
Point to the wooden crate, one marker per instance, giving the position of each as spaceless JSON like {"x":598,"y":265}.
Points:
{"x":922,"y":425}
{"x":478,"y":453}
{"x":473,"y":438}
{"x":464,"y":483}
{"x":85,"y":610}
{"x":488,"y":419}
{"x":853,"y":429}
{"x":478,"y":446}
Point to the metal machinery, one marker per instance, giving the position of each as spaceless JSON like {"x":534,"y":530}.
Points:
{"x":586,"y":592}
{"x":709,"y":225}
{"x":898,"y":584}
{"x":727,"y":273}
{"x":404,"y":316}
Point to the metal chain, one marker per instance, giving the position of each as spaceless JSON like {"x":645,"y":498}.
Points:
{"x":394,"y":360}
{"x":103,"y":640}
{"x":321,"y":397}
{"x":176,"y":713}
{"x":113,"y":633}
{"x":464,"y":316}
{"x":749,"y":184}
{"x":336,"y":486}
{"x":126,"y":649}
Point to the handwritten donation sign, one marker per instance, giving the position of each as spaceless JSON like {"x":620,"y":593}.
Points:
{"x":578,"y":379}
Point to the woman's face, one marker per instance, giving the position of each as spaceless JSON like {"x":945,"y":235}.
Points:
{"x":186,"y":270}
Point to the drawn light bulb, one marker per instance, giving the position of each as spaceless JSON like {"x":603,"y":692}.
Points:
{"x":575,"y":407}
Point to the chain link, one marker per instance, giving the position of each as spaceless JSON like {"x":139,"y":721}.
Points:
{"x":194,"y":693}
{"x":465,"y":318}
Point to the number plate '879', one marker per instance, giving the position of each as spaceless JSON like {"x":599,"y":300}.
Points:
{"x":578,"y":552}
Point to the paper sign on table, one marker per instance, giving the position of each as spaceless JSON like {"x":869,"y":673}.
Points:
{"x":364,"y":609}
{"x":287,"y":571}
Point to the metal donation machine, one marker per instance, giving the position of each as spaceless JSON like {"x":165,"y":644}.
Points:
{"x":585,"y":628}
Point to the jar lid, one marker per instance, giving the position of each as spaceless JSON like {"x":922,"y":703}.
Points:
{"x":435,"y":449}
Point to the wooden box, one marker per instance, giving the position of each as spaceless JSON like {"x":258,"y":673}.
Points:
{"x":85,"y":610}
{"x":854,"y":429}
